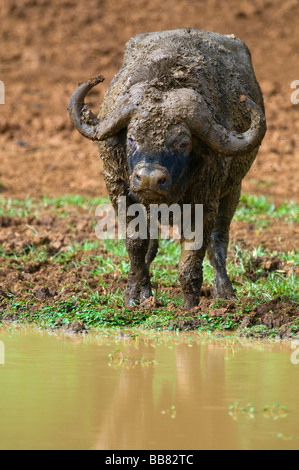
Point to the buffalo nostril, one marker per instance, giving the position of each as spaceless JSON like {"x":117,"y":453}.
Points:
{"x":152,"y":179}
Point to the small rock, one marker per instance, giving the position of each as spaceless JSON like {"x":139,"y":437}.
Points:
{"x":43,"y":292}
{"x":150,"y":303}
{"x":3,"y":293}
{"x":76,"y":327}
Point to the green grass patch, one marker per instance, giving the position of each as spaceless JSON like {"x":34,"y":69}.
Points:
{"x":60,"y":206}
{"x":258,"y":209}
{"x":251,"y":207}
{"x":105,"y":262}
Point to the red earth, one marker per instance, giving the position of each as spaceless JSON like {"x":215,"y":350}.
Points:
{"x":48,"y":47}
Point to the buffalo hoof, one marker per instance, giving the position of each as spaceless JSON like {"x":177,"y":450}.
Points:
{"x":190,"y":301}
{"x":135,"y":295}
{"x":224,"y":291}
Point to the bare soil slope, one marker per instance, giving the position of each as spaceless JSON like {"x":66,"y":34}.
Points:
{"x":48,"y":47}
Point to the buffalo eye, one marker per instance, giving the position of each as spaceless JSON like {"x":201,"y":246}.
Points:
{"x":182,"y":146}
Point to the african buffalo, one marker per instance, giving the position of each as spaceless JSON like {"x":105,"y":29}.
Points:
{"x":181,"y":122}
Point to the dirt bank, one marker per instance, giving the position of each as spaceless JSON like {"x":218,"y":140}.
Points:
{"x":54,"y":273}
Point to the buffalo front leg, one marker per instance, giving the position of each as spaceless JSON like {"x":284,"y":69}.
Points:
{"x":193,"y":250}
{"x":139,"y":287}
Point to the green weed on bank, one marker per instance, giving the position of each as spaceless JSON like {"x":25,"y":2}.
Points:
{"x":100,"y":307}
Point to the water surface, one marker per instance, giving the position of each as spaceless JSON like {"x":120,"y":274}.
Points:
{"x":151,"y":391}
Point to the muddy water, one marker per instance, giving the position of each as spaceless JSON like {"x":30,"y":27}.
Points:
{"x":156,"y":391}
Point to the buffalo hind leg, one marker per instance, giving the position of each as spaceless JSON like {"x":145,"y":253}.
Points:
{"x":217,"y":250}
{"x":151,"y":251}
{"x":139,"y":287}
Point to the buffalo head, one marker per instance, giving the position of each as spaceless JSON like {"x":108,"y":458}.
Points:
{"x":160,"y":130}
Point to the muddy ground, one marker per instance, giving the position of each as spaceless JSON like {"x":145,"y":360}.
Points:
{"x":48,"y":47}
{"x":50,"y":264}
